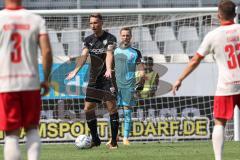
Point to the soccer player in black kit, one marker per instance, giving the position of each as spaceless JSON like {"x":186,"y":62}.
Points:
{"x":100,"y":46}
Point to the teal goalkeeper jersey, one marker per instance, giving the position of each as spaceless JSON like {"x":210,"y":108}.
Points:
{"x":125,"y":66}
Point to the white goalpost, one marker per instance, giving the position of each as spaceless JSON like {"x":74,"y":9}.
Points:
{"x":160,"y":33}
{"x":236,"y":110}
{"x":236,"y":124}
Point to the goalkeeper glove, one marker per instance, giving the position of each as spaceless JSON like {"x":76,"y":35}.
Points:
{"x":139,"y":87}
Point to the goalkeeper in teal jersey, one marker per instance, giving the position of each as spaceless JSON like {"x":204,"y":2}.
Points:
{"x":127,"y":60}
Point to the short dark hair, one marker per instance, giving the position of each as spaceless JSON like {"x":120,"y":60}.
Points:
{"x":226,"y":9}
{"x":126,"y":29}
{"x":96,"y":15}
{"x":148,"y":60}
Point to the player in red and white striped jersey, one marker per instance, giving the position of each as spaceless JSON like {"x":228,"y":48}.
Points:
{"x":224,"y":44}
{"x":21,"y":33}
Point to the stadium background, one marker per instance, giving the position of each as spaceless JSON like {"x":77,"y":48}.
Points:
{"x":167,"y":118}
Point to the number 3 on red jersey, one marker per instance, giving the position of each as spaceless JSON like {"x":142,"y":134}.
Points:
{"x":16,"y":54}
{"x":234,"y":59}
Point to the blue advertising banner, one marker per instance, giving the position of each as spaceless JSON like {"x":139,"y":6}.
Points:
{"x":65,"y":89}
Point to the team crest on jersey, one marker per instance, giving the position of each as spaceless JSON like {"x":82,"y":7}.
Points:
{"x":105,"y":42}
{"x":131,"y":56}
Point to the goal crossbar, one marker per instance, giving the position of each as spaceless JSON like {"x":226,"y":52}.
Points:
{"x":126,"y":11}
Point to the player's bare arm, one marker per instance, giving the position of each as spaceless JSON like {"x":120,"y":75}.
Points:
{"x":194,"y":62}
{"x":109,"y":61}
{"x":45,"y":47}
{"x":140,"y":67}
{"x":81,"y":60}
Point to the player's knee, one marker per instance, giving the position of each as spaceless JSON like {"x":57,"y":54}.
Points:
{"x":111,"y":106}
{"x":88,"y":107}
{"x":113,"y":111}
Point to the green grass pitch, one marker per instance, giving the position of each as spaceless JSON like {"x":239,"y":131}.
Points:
{"x":138,"y":151}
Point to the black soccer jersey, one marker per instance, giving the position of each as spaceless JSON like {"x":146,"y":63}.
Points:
{"x":97,"y":49}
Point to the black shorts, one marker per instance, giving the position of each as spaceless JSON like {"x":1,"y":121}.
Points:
{"x":102,"y":89}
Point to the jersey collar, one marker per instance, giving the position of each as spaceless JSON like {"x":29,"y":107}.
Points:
{"x":226,"y":23}
{"x":14,"y":8}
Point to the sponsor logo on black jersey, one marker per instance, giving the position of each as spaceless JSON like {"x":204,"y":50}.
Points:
{"x":98,"y":51}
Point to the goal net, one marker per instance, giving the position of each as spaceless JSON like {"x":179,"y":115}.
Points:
{"x":159,"y":34}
